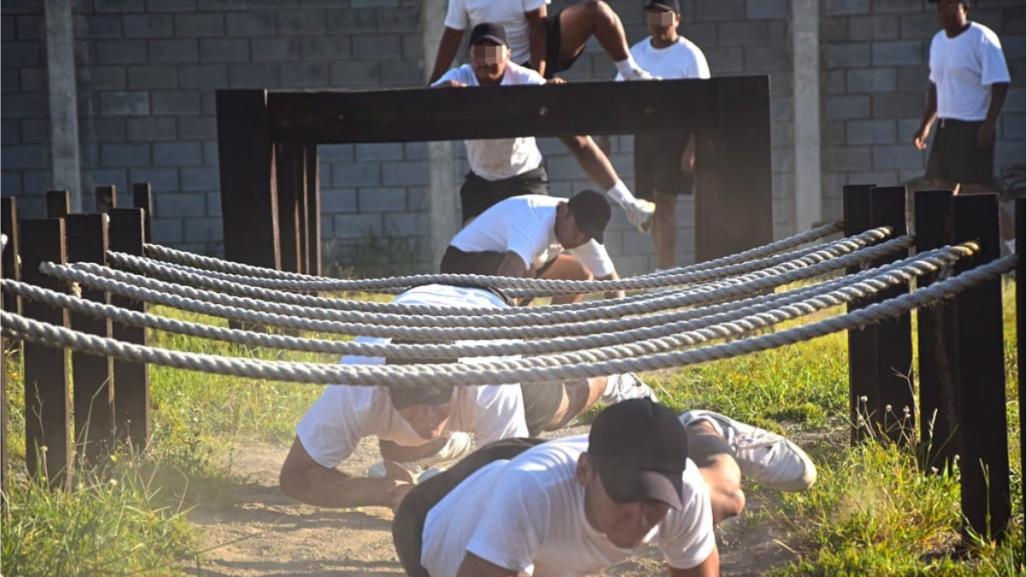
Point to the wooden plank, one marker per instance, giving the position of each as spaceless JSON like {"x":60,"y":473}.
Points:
{"x":862,"y":343}
{"x":132,"y":393}
{"x":47,"y":400}
{"x":106,"y":198}
{"x":983,"y":437}
{"x":142,"y":197}
{"x":58,"y":203}
{"x":936,"y":338}
{"x":733,"y":201}
{"x":1021,"y":237}
{"x":248,"y":196}
{"x":4,"y":436}
{"x":92,"y":375}
{"x":313,"y":204}
{"x":9,"y":227}
{"x":291,"y":183}
{"x":423,"y":114}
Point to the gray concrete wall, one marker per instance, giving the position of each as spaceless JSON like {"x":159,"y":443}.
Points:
{"x":147,"y":71}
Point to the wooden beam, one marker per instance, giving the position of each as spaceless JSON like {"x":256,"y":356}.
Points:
{"x":142,"y":197}
{"x":313,"y":216}
{"x":290,"y":169}
{"x":862,"y":346}
{"x":4,"y":436}
{"x":106,"y":198}
{"x":58,"y":203}
{"x":47,"y":400}
{"x":132,"y":393}
{"x":249,"y":204}
{"x":424,"y":114}
{"x":9,"y":227}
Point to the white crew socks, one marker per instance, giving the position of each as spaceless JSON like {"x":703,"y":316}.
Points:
{"x":627,"y":67}
{"x":620,"y":194}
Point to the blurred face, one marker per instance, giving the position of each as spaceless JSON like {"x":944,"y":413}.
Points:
{"x":624,"y":524}
{"x":567,"y":232}
{"x":488,"y":60}
{"x":951,"y":14}
{"x":428,"y":421}
{"x":662,"y":23}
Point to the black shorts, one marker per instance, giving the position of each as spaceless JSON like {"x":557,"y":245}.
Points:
{"x":456,"y":261}
{"x":553,"y":48}
{"x":408,"y":524}
{"x":541,"y":402}
{"x":478,"y":194}
{"x":658,"y":164}
{"x":955,"y":156}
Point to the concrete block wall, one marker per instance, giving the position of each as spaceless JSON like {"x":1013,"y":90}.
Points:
{"x":874,"y":83}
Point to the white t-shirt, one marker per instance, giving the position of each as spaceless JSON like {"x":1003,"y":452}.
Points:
{"x":466,"y":14}
{"x":682,"y":59}
{"x":964,"y":68}
{"x":529,"y":516}
{"x":335,"y":423}
{"x":525,"y":225}
{"x":499,"y":158}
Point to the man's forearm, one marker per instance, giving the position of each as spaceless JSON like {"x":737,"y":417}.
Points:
{"x":537,"y":38}
{"x":932,"y":108}
{"x":449,"y":43}
{"x":613,"y":294}
{"x":330,"y":488}
{"x":592,"y":160}
{"x":998,"y":100}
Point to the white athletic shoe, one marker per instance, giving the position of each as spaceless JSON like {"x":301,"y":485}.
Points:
{"x":637,"y":73}
{"x":640,"y":213}
{"x":626,"y":386}
{"x":377,"y":470}
{"x":457,"y":447}
{"x":767,"y":457}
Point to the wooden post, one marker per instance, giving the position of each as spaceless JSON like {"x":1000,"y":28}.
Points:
{"x":862,"y":358}
{"x":47,"y":402}
{"x":9,"y":226}
{"x":1021,"y":237}
{"x":106,"y":198}
{"x":313,"y":216}
{"x":249,"y":204}
{"x":983,"y":437}
{"x":936,"y":328}
{"x":92,"y":375}
{"x":132,"y":393}
{"x":291,"y":184}
{"x":3,"y":392}
{"x":142,"y":197}
{"x":58,"y":203}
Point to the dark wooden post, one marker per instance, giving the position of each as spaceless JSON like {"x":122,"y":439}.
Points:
{"x":58,"y":203}
{"x":936,"y":327}
{"x":9,"y":224}
{"x":142,"y":198}
{"x":983,"y":437}
{"x":92,"y":375}
{"x":733,"y":170}
{"x":291,"y":184}
{"x":132,"y":393}
{"x":3,"y":393}
{"x":1021,"y":237}
{"x":862,"y":358}
{"x":248,"y":196}
{"x":47,"y":402}
{"x":313,"y":212}
{"x":106,"y":198}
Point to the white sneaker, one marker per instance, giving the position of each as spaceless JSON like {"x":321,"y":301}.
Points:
{"x":457,"y":447}
{"x":626,"y":386}
{"x":377,"y":470}
{"x":637,"y":73}
{"x":640,"y":213}
{"x":766,"y":457}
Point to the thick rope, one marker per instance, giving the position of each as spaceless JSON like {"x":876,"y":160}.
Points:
{"x":523,"y":285}
{"x":527,"y":370}
{"x":768,"y":308}
{"x":466,"y":327}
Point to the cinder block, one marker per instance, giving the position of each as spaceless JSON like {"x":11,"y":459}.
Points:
{"x":355,"y":74}
{"x":912,"y":78}
{"x":840,"y":7}
{"x":91,"y":26}
{"x":405,"y":224}
{"x":179,"y":50}
{"x":751,"y":33}
{"x":1013,"y":125}
{"x":413,"y":48}
{"x":253,"y":75}
{"x":834,"y":30}
{"x":381,"y":200}
{"x":898,"y":105}
{"x":102,"y":78}
{"x":124,"y":103}
{"x":402,"y":73}
{"x":10,"y":132}
{"x":873,"y":27}
{"x":213,"y":204}
{"x":149,"y":25}
{"x":330,"y":48}
{"x":338,"y":200}
{"x":333,"y":152}
{"x":847,"y":158}
{"x":33,"y":79}
{"x":276,"y":49}
{"x":767,"y":58}
{"x":899,"y":6}
{"x":863,"y":80}
{"x":34,"y":131}
{"x":897,"y":157}
{"x":210,"y":24}
{"x":23,"y":156}
{"x":120,"y":51}
{"x":203,"y":76}
{"x":197,"y":127}
{"x":870,"y":132}
{"x":351,"y":20}
{"x":418,"y":198}
{"x":305,"y":74}
{"x":379,"y":151}
{"x":99,"y":177}
{"x":203,"y":230}
{"x":170,"y":5}
{"x":898,"y":53}
{"x":178,"y":154}
{"x":848,"y":55}
{"x":9,"y":81}
{"x":224,"y":50}
{"x":921,"y":25}
{"x":345,"y":174}
{"x":720,"y":10}
{"x":374,"y":47}
{"x":115,"y":154}
{"x":725,"y":60}
{"x":177,"y":102}
{"x":848,"y":106}
{"x":151,"y":128}
{"x":250,"y":23}
{"x":160,"y":179}
{"x":180,"y":205}
{"x":22,"y":53}
{"x":210,"y":153}
{"x":301,"y":22}
{"x":25,"y":27}
{"x":767,"y":9}
{"x":404,"y":19}
{"x":166,"y":230}
{"x":356,"y":225}
{"x":152,"y":77}
{"x":201,"y":179}
{"x":413,"y":173}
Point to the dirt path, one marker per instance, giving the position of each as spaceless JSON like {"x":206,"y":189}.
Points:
{"x":262,"y":533}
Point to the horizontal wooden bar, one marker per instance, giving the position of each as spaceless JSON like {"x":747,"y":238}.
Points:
{"x":424,"y":114}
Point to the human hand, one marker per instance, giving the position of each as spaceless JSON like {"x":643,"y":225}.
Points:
{"x":986,"y":133}
{"x":396,"y":472}
{"x":451,"y":84}
{"x":920,"y":138}
{"x":397,"y":493}
{"x":556,"y":80}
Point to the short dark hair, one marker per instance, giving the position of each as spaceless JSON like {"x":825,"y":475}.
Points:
{"x":403,"y":396}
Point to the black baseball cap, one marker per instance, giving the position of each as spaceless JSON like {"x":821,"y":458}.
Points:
{"x":671,"y":5}
{"x":403,"y":396}
{"x":488,"y":31}
{"x":591,"y":213}
{"x":639,"y":449}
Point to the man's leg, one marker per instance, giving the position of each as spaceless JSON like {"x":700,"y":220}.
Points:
{"x":580,"y":21}
{"x":709,"y":450}
{"x":665,"y":228}
{"x":566,"y":267}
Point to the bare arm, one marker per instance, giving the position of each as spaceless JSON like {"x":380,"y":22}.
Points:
{"x":537,"y":38}
{"x":474,"y":566}
{"x":449,"y":43}
{"x":920,"y":138}
{"x":708,"y":568}
{"x":613,"y":294}
{"x":304,"y":479}
{"x":986,"y":133}
{"x":512,"y":265}
{"x":592,"y":160}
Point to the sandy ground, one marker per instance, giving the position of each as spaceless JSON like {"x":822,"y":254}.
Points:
{"x":262,"y":533}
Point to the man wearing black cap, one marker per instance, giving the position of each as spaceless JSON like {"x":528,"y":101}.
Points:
{"x":536,"y":235}
{"x":505,"y":167}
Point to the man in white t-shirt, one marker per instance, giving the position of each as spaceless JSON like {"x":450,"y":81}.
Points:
{"x":665,"y":161}
{"x":501,"y":168}
{"x":969,"y":81}
{"x":574,"y":506}
{"x":423,"y":426}
{"x":538,"y":236}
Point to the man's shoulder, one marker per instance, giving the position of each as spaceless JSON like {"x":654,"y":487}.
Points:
{"x":984,"y":33}
{"x":523,"y":74}
{"x":691,"y":47}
